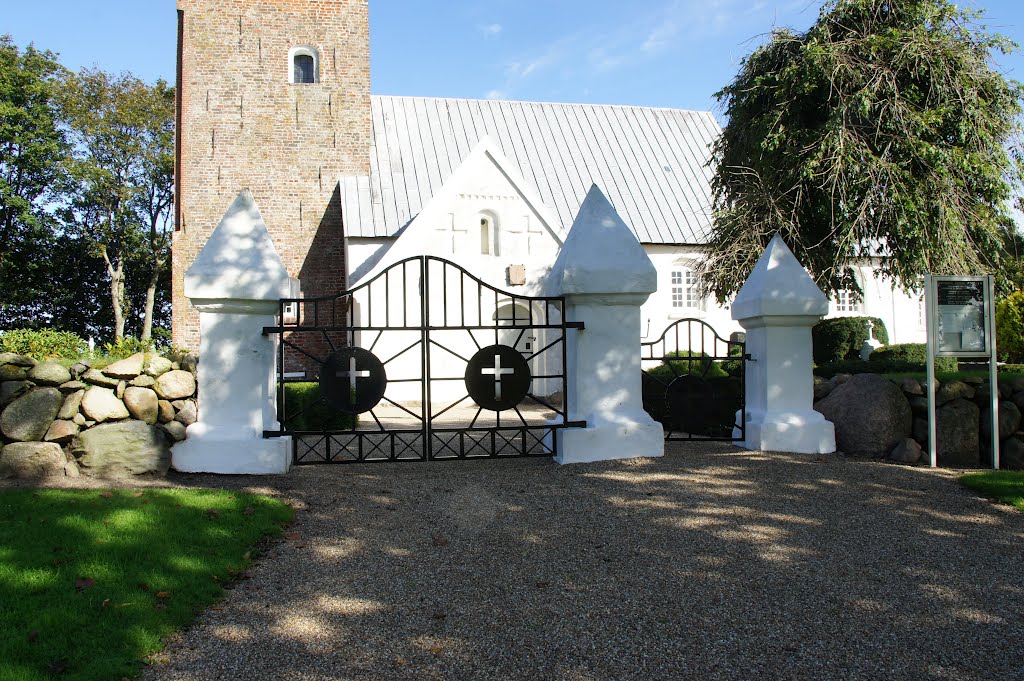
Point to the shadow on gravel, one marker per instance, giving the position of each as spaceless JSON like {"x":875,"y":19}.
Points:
{"x":707,"y":563}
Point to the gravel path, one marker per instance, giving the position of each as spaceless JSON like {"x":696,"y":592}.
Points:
{"x":709,"y":563}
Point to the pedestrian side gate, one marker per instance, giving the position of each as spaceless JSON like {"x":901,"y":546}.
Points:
{"x":694,"y":382}
{"x":424,"y":361}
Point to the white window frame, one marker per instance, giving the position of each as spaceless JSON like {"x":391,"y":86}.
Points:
{"x":843,"y":305}
{"x":303,"y":51}
{"x":491,"y":243}
{"x":684,"y":292}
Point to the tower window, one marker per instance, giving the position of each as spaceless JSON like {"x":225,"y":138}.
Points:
{"x":686,"y":295}
{"x":305,"y":65}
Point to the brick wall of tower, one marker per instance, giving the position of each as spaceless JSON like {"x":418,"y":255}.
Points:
{"x":241,"y":124}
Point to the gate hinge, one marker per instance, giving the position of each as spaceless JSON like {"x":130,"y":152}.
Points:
{"x":575,"y":325}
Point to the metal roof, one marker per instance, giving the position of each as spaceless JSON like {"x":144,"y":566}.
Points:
{"x":650,"y":163}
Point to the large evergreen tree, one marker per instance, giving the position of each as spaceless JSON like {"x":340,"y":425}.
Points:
{"x":883,"y":130}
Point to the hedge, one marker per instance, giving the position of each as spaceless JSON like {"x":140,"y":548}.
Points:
{"x":841,"y":338}
{"x":306,"y":410}
{"x":43,"y":344}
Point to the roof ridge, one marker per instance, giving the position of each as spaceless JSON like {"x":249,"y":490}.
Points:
{"x":528,"y":101}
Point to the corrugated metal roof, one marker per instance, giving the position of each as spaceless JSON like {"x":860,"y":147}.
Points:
{"x":651,"y":163}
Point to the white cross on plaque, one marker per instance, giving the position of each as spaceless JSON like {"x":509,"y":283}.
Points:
{"x":497,"y":372}
{"x":352,"y":374}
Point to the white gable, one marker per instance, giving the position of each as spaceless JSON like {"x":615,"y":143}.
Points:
{"x":485,"y":217}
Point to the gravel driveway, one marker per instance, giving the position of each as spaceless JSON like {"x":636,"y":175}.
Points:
{"x":708,"y":563}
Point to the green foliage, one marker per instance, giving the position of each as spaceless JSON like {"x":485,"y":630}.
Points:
{"x":1003,"y":486}
{"x":944,"y":365}
{"x":1010,"y":327}
{"x":43,"y":343}
{"x":841,"y":338}
{"x":695,"y":363}
{"x":83,"y":571}
{"x":305,"y":409}
{"x":883,"y":130}
{"x":127,"y":346}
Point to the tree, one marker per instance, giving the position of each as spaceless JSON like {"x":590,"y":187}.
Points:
{"x":883,"y":131}
{"x":123,"y":135}
{"x":32,"y":150}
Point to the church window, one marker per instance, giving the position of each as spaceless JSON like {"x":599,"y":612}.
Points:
{"x":489,"y":243}
{"x":846,"y":304}
{"x":686,"y":290}
{"x":305,"y":65}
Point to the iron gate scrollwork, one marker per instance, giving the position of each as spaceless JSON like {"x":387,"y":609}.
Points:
{"x":424,"y":361}
{"x":694,"y":382}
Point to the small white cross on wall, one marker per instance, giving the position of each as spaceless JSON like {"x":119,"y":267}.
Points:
{"x":352,"y":374}
{"x":497,"y":372}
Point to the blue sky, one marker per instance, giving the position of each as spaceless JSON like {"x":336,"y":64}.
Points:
{"x":672,"y":53}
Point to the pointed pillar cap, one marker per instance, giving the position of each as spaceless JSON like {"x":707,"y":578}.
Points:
{"x":779,"y":286}
{"x":601,"y":254}
{"x":239,"y":261}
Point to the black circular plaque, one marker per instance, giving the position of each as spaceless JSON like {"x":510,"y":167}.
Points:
{"x":498,"y":378}
{"x":353,"y":380}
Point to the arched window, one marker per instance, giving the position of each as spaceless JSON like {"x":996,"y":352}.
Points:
{"x":490,"y":243}
{"x":304,"y":65}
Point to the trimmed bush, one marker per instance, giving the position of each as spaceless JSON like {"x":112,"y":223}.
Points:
{"x":43,"y":343}
{"x":695,"y":363}
{"x":307,"y":410}
{"x":889,"y":366}
{"x":1010,"y":327}
{"x":842,"y":337}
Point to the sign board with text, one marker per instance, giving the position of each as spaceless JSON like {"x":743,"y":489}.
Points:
{"x":961,"y":316}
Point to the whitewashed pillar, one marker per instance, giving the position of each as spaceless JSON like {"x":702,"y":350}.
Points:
{"x":235,"y":283}
{"x":605,"y":276}
{"x":777,"y":307}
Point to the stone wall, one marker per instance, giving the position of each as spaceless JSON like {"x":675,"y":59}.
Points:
{"x":242,"y":124}
{"x":882,"y":418}
{"x":79,"y":420}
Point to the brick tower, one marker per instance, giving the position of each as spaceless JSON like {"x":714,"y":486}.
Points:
{"x":273,"y":95}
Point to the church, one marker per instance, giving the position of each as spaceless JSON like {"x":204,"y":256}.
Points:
{"x":274,"y":96}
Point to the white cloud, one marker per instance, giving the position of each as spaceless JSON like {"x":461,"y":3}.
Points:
{"x":496,"y":94}
{"x":491,"y":30}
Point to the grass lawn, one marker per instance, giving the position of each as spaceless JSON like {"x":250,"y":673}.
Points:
{"x":1003,"y":486}
{"x":92,"y":582}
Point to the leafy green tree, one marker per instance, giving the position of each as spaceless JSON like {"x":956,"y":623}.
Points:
{"x":122,"y":130}
{"x":883,"y":130}
{"x":32,"y":150}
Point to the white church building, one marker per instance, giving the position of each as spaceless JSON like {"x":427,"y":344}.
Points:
{"x":495,"y":185}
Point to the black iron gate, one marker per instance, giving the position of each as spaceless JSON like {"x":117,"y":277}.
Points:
{"x":422,"y":362}
{"x":694,"y":382}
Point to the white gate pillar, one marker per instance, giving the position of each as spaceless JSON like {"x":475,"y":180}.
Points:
{"x":235,"y":283}
{"x":605,"y":276}
{"x":777,"y":307}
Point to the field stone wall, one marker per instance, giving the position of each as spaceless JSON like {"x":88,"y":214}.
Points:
{"x":895,"y":413}
{"x":119,"y":420}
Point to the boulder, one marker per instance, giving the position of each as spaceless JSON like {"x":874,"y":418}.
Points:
{"x":190,"y":363}
{"x":821,"y":388}
{"x":80,"y":367}
{"x":952,"y":391}
{"x":188,"y":414}
{"x":1009,"y":420}
{"x":870,"y":414}
{"x":14,"y":359}
{"x":79,"y":420}
{"x":72,"y":386}
{"x":96,"y":377}
{"x":1011,"y":455}
{"x":920,"y":431}
{"x":175,"y":385}
{"x":62,"y":432}
{"x":175,"y":430}
{"x":907,"y":451}
{"x":72,"y":403}
{"x":911,"y":386}
{"x":957,"y":434}
{"x":142,"y":404}
{"x":12,"y":390}
{"x":142,"y":381}
{"x":126,"y":447}
{"x":157,"y":366}
{"x":119,"y":390}
{"x":32,"y":460}
{"x":127,"y":368}
{"x":100,"y":404}
{"x":918,"y":405}
{"x":10,"y":372}
{"x":1018,"y":399}
{"x":166,"y":410}
{"x":49,"y":373}
{"x":27,"y":418}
